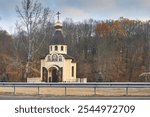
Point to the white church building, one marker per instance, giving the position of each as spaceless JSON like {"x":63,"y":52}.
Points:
{"x":58,"y":66}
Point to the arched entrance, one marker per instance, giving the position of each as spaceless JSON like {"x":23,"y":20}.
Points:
{"x":55,"y":74}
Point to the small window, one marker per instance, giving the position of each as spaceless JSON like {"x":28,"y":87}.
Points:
{"x":62,"y":48}
{"x":60,"y":58}
{"x":49,"y":58}
{"x":54,"y":57}
{"x":51,"y":48}
{"x":72,"y":71}
{"x":56,"y":48}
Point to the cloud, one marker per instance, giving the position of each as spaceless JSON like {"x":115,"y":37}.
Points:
{"x":144,"y":3}
{"x":101,"y":9}
{"x":98,"y":5}
{"x":83,"y":9}
{"x":77,"y":14}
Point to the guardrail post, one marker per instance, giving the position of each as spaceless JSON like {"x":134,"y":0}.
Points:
{"x":14,"y":93}
{"x":126,"y":91}
{"x":65,"y":91}
{"x":94,"y":90}
{"x":38,"y":90}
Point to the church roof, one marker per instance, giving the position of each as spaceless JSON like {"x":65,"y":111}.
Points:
{"x":58,"y":38}
{"x":66,"y":56}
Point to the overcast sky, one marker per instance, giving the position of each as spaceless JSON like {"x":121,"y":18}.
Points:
{"x":79,"y":10}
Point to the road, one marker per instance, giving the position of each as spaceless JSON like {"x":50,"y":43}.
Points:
{"x":11,"y":97}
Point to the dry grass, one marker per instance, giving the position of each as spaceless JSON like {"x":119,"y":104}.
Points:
{"x":137,"y":92}
{"x":54,"y":91}
{"x":111,"y":91}
{"x":80,"y":91}
{"x":26,"y":91}
{"x":7,"y":90}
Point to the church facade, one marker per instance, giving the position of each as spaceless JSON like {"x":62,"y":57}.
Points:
{"x":58,"y":66}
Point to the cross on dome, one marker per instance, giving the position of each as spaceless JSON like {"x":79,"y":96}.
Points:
{"x":58,"y":13}
{"x":58,"y":24}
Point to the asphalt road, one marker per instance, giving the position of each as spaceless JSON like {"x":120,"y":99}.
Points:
{"x":11,"y":97}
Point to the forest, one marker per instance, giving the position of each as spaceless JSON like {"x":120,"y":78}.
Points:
{"x":105,"y":50}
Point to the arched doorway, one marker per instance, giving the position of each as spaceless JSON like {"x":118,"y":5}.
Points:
{"x":55,"y":74}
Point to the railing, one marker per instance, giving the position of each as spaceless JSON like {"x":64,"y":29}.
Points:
{"x":126,"y":85}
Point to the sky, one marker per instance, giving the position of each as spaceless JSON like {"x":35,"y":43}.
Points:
{"x":79,"y":10}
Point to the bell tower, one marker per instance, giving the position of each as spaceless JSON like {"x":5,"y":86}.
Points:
{"x":57,"y":44}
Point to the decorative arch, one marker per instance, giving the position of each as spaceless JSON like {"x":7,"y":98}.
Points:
{"x":60,"y":58}
{"x":55,"y":66}
{"x":54,"y":57}
{"x":55,"y":73}
{"x":49,"y":58}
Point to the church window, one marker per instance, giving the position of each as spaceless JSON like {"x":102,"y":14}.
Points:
{"x":56,"y":48}
{"x":54,"y":57}
{"x":49,"y":58}
{"x":60,"y":58}
{"x":72,"y":71}
{"x":62,"y":48}
{"x":51,"y":48}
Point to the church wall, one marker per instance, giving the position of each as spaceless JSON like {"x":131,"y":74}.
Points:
{"x":73,"y":65}
{"x":68,"y":71}
{"x":64,"y":73}
{"x":42,"y":62}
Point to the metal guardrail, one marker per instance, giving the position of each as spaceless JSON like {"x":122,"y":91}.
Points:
{"x":93,"y":85}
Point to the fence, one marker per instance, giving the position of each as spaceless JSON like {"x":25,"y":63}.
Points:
{"x":66,"y":86}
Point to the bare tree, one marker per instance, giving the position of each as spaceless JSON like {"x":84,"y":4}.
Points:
{"x":33,"y":20}
{"x":0,"y":19}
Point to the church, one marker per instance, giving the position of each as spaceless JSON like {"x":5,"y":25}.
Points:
{"x":58,"y":66}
